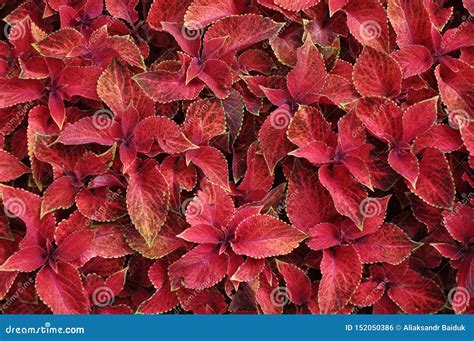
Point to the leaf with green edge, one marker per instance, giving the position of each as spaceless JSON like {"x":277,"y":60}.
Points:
{"x":262,"y":236}
{"x":147,"y":199}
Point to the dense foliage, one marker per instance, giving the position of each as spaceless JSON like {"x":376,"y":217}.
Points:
{"x":237,"y":156}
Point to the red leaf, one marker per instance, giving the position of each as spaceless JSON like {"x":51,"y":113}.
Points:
{"x":163,"y":299}
{"x":459,"y":223}
{"x":81,"y":81}
{"x":435,"y":185}
{"x":166,"y":11}
{"x":127,"y":50}
{"x":63,"y":291}
{"x":123,"y":9}
{"x":74,"y":246}
{"x":382,"y":117}
{"x":25,"y":260}
{"x":388,"y":244}
{"x":418,"y":118}
{"x":455,"y":88}
{"x":164,"y":132}
{"x":306,"y":80}
{"x":339,"y":90}
{"x":101,"y":204}
{"x":147,"y":200}
{"x":257,"y":180}
{"x":297,"y":283}
{"x":200,"y":268}
{"x":212,"y":206}
{"x":165,"y":243}
{"x":15,"y":90}
{"x":60,"y":194}
{"x":109,"y":242}
{"x":416,"y":294}
{"x":336,"y":5}
{"x":160,"y":302}
{"x":168,"y":83}
{"x":117,"y":89}
{"x":413,"y":60}
{"x":297,"y":5}
{"x":440,"y":136}
{"x":262,"y":236}
{"x":342,"y":271}
{"x":309,"y":125}
{"x":367,"y":21}
{"x":411,"y":22}
{"x":368,"y":293}
{"x":202,"y":234}
{"x":455,"y":39}
{"x":204,"y":12}
{"x":26,"y":206}
{"x":249,"y":270}
{"x":269,"y":295}
{"x":217,"y":76}
{"x":405,"y":163}
{"x":10,"y":167}
{"x":207,"y":301}
{"x":377,"y":74}
{"x":438,"y":14}
{"x":204,"y":121}
{"x":345,"y":192}
{"x":61,"y":44}
{"x":213,"y":163}
{"x":116,"y":281}
{"x":316,"y":152}
{"x":273,"y":139}
{"x":449,"y":251}
{"x":324,"y":236}
{"x":6,"y":279}
{"x":241,"y":32}
{"x":469,"y":4}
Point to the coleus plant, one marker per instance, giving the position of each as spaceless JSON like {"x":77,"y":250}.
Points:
{"x":231,"y":156}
